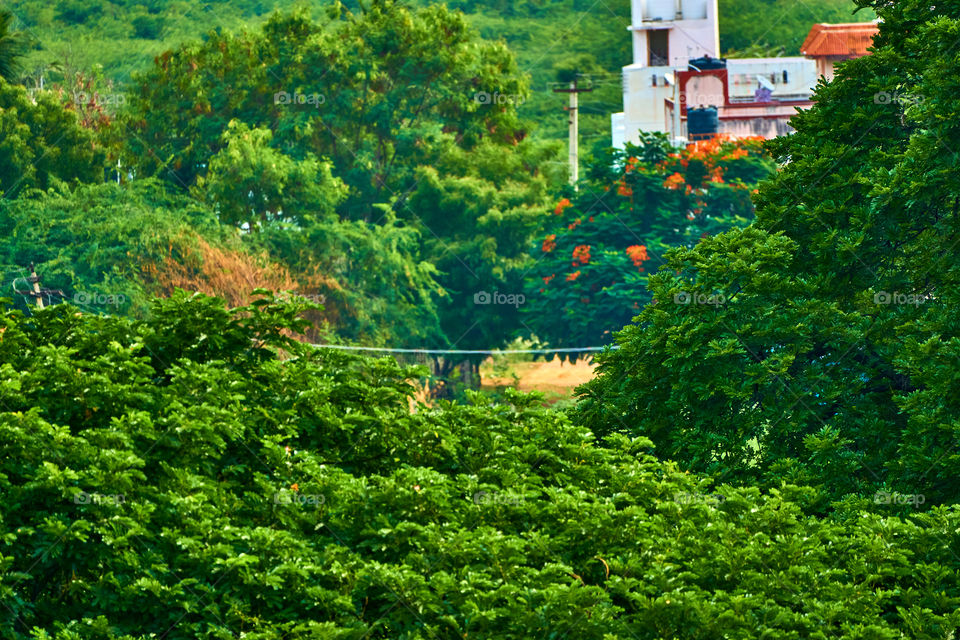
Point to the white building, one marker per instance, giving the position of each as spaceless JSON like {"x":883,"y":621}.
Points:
{"x":752,"y":96}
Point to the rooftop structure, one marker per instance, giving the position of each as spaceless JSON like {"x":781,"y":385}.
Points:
{"x":828,"y":44}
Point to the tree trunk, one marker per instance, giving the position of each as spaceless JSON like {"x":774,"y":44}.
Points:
{"x":451,"y":375}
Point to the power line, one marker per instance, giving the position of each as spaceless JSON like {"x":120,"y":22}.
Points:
{"x":38,"y":293}
{"x":491,"y":352}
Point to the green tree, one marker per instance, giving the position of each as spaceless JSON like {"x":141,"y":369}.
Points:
{"x":603,"y":242}
{"x":42,"y":143}
{"x":379,"y":93}
{"x":378,"y":288}
{"x":830,"y":359}
{"x":252,"y":183}
{"x":13,"y":47}
{"x":477,"y":213}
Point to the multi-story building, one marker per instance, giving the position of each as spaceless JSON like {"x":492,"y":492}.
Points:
{"x":676,"y":70}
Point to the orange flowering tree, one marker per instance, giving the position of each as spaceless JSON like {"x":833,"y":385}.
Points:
{"x":602,"y":242}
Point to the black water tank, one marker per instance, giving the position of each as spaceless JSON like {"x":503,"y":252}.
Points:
{"x":702,"y":122}
{"x":706,"y":62}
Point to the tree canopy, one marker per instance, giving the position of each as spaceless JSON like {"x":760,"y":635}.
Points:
{"x":43,"y":144}
{"x":202,"y":474}
{"x":397,"y":87}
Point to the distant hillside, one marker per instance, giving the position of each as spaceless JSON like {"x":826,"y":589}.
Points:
{"x":123,"y":36}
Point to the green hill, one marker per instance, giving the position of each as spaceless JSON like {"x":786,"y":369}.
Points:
{"x":120,"y":37}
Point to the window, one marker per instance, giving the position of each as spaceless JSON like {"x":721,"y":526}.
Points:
{"x":659,"y":50}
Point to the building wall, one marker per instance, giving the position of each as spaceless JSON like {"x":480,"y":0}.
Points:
{"x":765,"y":127}
{"x":692,"y":32}
{"x":801,"y":76}
{"x":642,"y":101}
{"x":825,"y":67}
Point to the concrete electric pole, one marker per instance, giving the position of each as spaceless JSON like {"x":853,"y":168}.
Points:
{"x":574,"y":143}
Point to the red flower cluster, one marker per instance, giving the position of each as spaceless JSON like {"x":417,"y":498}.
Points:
{"x":736,"y":154}
{"x":574,"y":275}
{"x":563,"y":204}
{"x":549,"y":243}
{"x":638,"y":254}
{"x":674,"y":182}
{"x":581,"y":253}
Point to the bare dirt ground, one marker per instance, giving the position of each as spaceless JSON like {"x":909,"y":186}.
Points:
{"x":551,"y":377}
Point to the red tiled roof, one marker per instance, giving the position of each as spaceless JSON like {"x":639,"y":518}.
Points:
{"x":848,"y":40}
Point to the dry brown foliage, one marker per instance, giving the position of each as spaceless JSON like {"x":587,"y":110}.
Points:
{"x":195,"y":265}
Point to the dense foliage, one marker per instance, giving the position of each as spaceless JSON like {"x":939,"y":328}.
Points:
{"x":124,"y":36}
{"x":42,"y":143}
{"x":782,"y":24}
{"x":394,"y":131}
{"x":110,"y":249}
{"x":604,"y":241}
{"x":13,"y":46}
{"x":99,"y":242}
{"x":202,"y":475}
{"x":382,"y":106}
{"x":833,"y":360}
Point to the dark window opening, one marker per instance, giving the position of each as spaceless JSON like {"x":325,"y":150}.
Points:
{"x":659,"y":50}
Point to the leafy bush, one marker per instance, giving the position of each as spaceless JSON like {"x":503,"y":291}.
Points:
{"x":203,"y":475}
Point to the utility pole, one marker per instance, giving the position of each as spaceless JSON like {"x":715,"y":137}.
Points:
{"x":37,"y":293}
{"x":35,"y":279}
{"x":574,"y":143}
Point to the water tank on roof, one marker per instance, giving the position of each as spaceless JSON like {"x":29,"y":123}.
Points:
{"x":706,"y":62}
{"x":702,"y":123}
